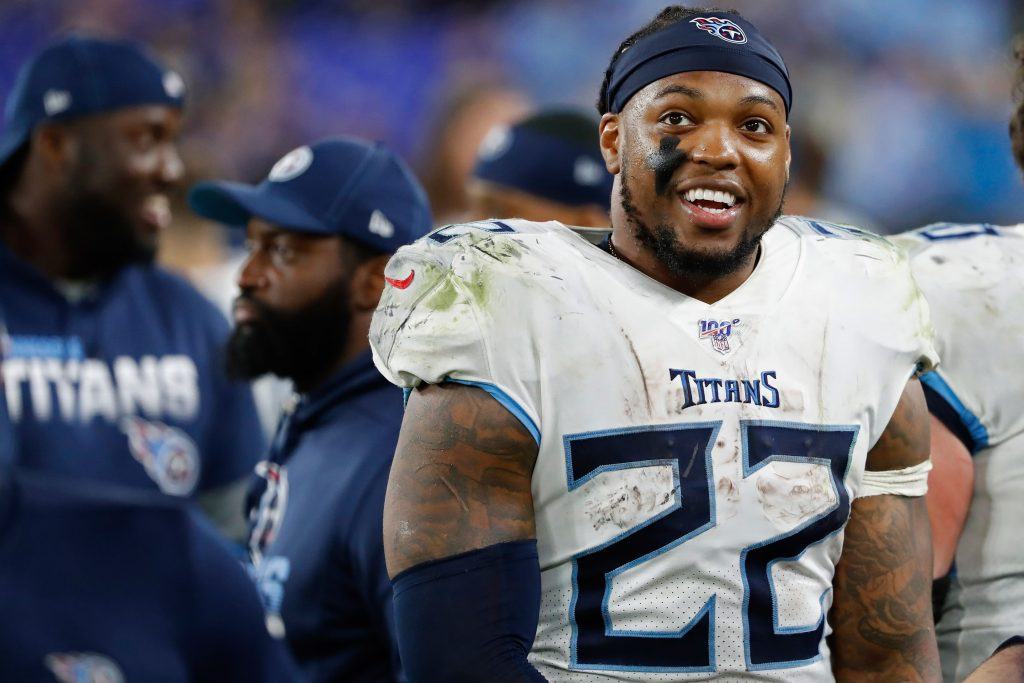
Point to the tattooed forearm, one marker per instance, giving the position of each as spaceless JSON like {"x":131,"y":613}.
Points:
{"x":882,"y":616}
{"x":460,"y":479}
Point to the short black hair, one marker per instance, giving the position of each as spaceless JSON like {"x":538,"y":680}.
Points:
{"x":564,"y":124}
{"x":667,"y":17}
{"x":1017,"y":120}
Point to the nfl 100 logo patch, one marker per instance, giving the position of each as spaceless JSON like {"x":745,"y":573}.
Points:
{"x":718,"y":332}
{"x":721,"y":28}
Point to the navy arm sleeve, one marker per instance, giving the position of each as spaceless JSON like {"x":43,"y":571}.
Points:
{"x":228,"y":634}
{"x":471,"y":617}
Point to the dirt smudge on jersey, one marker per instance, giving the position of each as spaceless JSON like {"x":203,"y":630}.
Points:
{"x":640,"y":367}
{"x":791,"y":493}
{"x":629,"y":497}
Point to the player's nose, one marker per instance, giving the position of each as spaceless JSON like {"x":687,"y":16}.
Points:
{"x":714,"y":145}
{"x":171,"y":169}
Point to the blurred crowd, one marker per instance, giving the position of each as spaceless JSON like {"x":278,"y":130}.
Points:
{"x":899,"y":117}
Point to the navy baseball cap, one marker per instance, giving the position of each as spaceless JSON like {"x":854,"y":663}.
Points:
{"x":78,"y":76}
{"x":339,"y":186}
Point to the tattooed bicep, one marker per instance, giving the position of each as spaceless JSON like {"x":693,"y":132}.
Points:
{"x":906,"y":439}
{"x":460,"y":479}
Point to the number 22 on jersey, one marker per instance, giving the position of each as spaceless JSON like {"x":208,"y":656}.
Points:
{"x":597,"y":644}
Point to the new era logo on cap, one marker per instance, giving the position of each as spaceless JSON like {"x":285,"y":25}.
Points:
{"x":174,"y":86}
{"x":56,"y":101}
{"x":497,"y":141}
{"x":291,"y":165}
{"x":586,"y":171}
{"x":380,"y":225}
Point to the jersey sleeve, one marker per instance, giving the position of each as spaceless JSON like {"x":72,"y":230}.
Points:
{"x":887,"y":319}
{"x":451,"y":308}
{"x":903,"y":328}
{"x":971,"y":277}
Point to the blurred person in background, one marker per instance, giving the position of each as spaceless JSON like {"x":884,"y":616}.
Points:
{"x":113,"y":370}
{"x":805,"y":194}
{"x":320,"y":229}
{"x":453,"y":144}
{"x":973,"y":278}
{"x":108,"y":585}
{"x":547,"y":167}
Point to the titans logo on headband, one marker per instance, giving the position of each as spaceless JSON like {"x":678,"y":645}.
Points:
{"x":721,"y":28}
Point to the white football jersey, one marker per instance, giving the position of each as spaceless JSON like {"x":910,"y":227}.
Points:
{"x":973,"y":278}
{"x":696,"y":461}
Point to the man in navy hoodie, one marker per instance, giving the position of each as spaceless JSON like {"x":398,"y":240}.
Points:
{"x":111,"y":367}
{"x":320,"y":230}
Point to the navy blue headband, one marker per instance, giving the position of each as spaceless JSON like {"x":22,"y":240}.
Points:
{"x":545,"y":166}
{"x":723,"y":42}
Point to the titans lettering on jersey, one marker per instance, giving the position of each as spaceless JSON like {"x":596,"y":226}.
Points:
{"x":701,"y":390}
{"x":50,"y":378}
{"x":697,"y":462}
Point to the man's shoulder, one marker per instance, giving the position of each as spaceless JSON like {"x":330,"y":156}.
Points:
{"x":465,"y":270}
{"x":977,"y":249}
{"x":170,"y":286}
{"x":860,"y":263}
{"x":839,"y":242}
{"x":491,"y":244}
{"x":177,"y":295}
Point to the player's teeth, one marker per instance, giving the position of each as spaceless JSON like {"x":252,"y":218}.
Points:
{"x":702,"y":193}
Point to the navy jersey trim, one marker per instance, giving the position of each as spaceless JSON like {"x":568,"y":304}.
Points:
{"x":944,"y":404}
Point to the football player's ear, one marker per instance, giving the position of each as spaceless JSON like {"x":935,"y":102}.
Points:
{"x":368,"y":283}
{"x":56,"y":144}
{"x":609,"y":139}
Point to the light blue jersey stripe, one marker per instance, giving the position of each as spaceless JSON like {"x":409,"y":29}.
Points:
{"x":507,"y":401}
{"x":974,"y":426}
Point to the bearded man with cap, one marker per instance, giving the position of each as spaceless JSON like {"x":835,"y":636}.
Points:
{"x":112,"y":372}
{"x":320,"y":229}
{"x":546,"y":167}
{"x":692,"y":454}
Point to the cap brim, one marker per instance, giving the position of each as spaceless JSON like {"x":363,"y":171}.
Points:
{"x":233,"y":204}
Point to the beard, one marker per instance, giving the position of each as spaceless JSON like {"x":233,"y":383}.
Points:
{"x":99,"y":234}
{"x":686,"y":261}
{"x":298,"y":345}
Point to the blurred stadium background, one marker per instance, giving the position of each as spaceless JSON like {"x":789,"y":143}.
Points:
{"x":899,"y":117}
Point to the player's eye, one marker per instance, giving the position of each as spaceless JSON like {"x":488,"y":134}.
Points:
{"x":282,"y":252}
{"x":676,"y":118}
{"x":756,"y":126}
